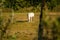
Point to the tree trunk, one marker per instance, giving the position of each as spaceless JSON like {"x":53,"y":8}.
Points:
{"x":40,"y":30}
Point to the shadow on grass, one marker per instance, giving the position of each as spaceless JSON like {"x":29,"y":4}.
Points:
{"x":22,"y":21}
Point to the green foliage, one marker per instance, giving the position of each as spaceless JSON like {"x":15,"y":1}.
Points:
{"x":10,"y":4}
{"x":18,"y":4}
{"x":58,"y":20}
{"x":58,"y":2}
{"x":4,"y":23}
{"x":54,"y":31}
{"x":12,"y":37}
{"x":51,"y":4}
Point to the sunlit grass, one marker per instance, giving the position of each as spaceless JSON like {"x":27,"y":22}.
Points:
{"x":27,"y":30}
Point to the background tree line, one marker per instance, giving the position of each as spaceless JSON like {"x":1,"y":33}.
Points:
{"x":17,"y":4}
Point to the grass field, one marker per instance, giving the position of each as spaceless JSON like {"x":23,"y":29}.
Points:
{"x":21,"y":29}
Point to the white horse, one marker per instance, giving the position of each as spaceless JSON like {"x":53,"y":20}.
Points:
{"x":30,"y":16}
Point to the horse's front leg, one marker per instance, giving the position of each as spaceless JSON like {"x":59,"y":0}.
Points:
{"x":29,"y":19}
